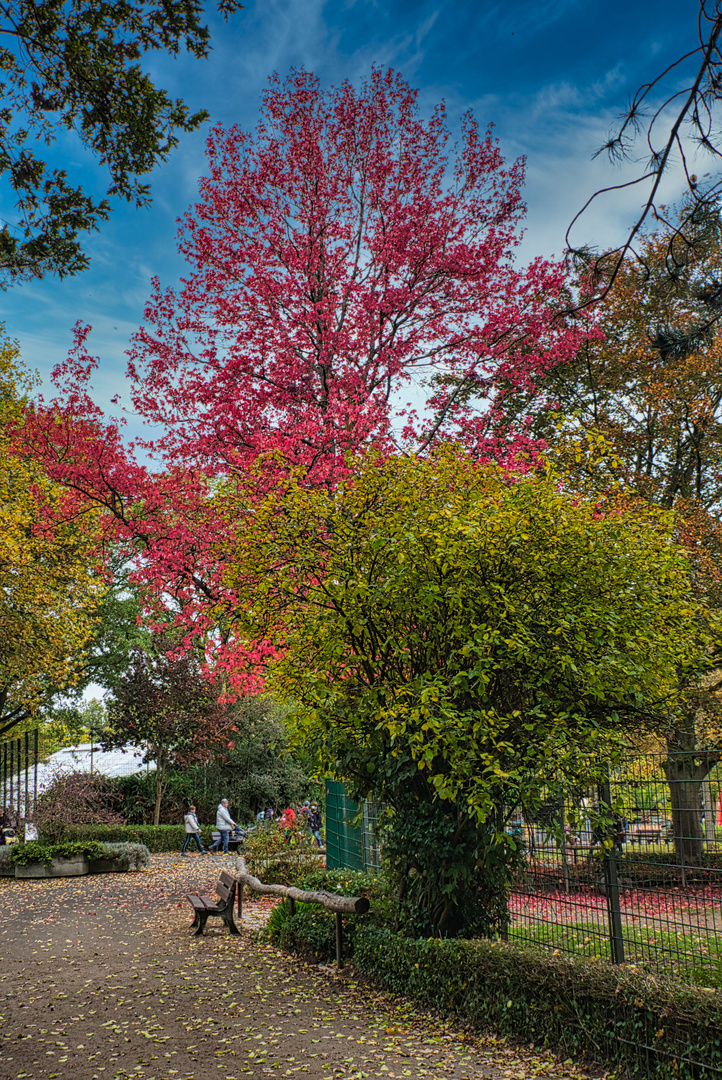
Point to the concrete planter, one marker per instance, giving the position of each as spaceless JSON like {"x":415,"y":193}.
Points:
{"x":108,"y":866}
{"x":75,"y":867}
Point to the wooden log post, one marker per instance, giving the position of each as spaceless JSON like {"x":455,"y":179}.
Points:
{"x":347,"y":905}
{"x":339,"y":941}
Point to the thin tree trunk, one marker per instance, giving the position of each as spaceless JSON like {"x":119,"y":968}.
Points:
{"x":159,"y":778}
{"x":684,"y":773}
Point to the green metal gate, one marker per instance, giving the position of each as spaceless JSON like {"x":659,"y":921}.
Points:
{"x":349,"y":846}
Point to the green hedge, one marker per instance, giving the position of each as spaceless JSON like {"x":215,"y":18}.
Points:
{"x":155,"y":837}
{"x":619,"y":1017}
{"x":650,"y":1026}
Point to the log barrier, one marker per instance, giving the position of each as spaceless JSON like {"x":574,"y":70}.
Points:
{"x":340,"y":905}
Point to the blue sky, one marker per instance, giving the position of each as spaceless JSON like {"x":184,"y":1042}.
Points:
{"x":551,"y":75}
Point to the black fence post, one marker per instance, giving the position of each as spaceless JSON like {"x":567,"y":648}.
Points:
{"x":35,"y":771}
{"x":563,"y":841}
{"x":611,"y":882}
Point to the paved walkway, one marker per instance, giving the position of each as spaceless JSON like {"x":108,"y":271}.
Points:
{"x":100,"y":980}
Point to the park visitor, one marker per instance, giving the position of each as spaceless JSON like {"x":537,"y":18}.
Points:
{"x":314,"y":822}
{"x":193,"y":832}
{"x":224,"y":824}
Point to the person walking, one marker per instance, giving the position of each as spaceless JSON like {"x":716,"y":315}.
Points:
{"x":314,"y":822}
{"x":224,"y":824}
{"x":193,"y":832}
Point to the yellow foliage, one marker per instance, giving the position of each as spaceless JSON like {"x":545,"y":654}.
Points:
{"x":49,"y":584}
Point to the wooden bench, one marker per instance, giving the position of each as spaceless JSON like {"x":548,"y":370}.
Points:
{"x":206,"y":907}
{"x":233,"y":844}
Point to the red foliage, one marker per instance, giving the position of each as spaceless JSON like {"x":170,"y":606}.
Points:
{"x":338,"y":257}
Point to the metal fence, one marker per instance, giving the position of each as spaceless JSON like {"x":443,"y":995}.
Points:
{"x":627,"y":867}
{"x":18,"y":777}
{"x":351,"y":831}
{"x":26,"y":771}
{"x":624,"y":865}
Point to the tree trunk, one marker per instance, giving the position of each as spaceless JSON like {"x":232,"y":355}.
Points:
{"x":159,"y":777}
{"x":685,"y":770}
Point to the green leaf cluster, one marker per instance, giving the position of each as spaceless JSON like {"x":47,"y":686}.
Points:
{"x":441,"y":619}
{"x":73,"y":65}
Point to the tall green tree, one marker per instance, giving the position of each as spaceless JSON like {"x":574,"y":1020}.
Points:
{"x":51,"y":583}
{"x":451,"y":637}
{"x":73,"y":65}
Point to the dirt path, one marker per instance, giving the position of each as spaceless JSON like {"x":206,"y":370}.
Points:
{"x":99,"y":980}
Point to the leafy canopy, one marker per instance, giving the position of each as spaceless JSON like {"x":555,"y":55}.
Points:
{"x":50,"y":585}
{"x":487,"y":628}
{"x":341,"y":252}
{"x":74,"y":65}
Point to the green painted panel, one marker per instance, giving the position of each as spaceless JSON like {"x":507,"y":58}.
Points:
{"x":344,"y":841}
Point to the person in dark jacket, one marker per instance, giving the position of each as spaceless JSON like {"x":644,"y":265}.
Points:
{"x":314,"y":822}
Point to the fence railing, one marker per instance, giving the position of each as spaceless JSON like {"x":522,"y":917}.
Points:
{"x":627,"y":868}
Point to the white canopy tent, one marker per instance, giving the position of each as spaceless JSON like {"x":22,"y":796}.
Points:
{"x":83,"y":758}
{"x":89,"y":758}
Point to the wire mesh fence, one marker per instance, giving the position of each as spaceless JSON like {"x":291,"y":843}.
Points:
{"x":25,"y":771}
{"x":625,"y":865}
{"x":352,"y":839}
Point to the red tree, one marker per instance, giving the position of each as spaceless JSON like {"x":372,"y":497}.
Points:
{"x":339,"y":256}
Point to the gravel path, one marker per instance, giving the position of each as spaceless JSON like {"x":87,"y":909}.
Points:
{"x":100,"y":980}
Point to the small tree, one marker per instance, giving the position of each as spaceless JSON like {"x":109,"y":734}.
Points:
{"x":165,"y":704}
{"x":77,"y":798}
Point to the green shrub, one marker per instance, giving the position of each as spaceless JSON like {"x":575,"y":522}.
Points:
{"x":24,"y":854}
{"x":155,"y":837}
{"x":311,"y":934}
{"x":76,"y":797}
{"x":377,"y":887}
{"x":130,"y":856}
{"x":6,"y":859}
{"x":278,"y":856}
{"x":619,"y":1016}
{"x":279,"y":916}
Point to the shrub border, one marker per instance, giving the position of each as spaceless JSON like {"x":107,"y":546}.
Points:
{"x":157,"y":838}
{"x":619,"y":1017}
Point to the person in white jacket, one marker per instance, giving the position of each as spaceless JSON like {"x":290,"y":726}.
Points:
{"x":224,"y":824}
{"x":193,"y":832}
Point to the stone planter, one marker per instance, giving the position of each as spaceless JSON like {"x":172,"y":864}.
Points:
{"x":74,"y":867}
{"x":107,"y":866}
